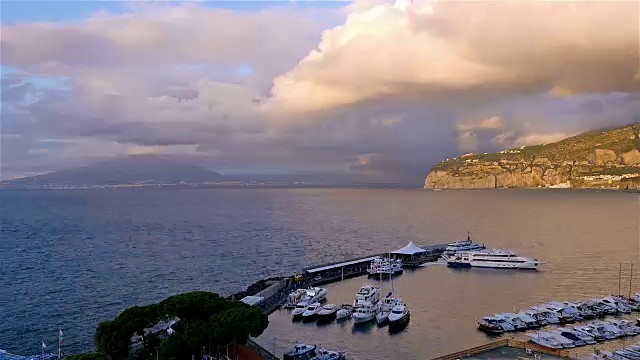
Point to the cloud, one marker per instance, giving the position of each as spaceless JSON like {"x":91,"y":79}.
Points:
{"x":435,"y":49}
{"x":388,"y":93}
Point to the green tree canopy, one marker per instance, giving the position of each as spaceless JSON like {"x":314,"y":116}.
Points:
{"x":206,"y":319}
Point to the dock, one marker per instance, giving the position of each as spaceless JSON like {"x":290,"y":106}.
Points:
{"x":508,"y":348}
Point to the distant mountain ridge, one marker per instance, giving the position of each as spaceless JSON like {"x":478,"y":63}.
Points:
{"x":133,"y":169}
{"x":607,"y":158}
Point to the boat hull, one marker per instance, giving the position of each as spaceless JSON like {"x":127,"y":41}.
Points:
{"x":326,"y":318}
{"x":362,"y":319}
{"x":399,"y":324}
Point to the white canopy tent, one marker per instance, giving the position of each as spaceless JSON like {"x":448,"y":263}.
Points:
{"x":410,"y":249}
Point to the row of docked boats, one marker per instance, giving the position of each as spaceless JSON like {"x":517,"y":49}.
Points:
{"x":556,"y":312}
{"x":627,"y":353}
{"x":588,"y":334}
{"x":323,"y":314}
{"x":301,"y":351}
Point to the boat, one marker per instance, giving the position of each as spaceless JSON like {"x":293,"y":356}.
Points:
{"x":385,"y":266}
{"x":367,"y":294}
{"x":324,"y":354}
{"x":311,"y":313}
{"x":544,"y":339}
{"x":399,"y":317}
{"x":327,"y":313}
{"x":344,"y":312}
{"x":610,"y":301}
{"x":566,"y":343}
{"x":491,"y":325}
{"x":300,"y":351}
{"x":512,"y":319}
{"x":297,"y":312}
{"x":493,"y":258}
{"x":550,"y":316}
{"x":385,"y":307}
{"x":576,"y":337}
{"x":364,"y":313}
{"x":294,"y":298}
{"x":541,"y":320}
{"x":462,"y":245}
{"x":609,"y":327}
{"x":626,"y":326}
{"x":559,"y":309}
{"x":590,"y":331}
{"x":528,"y":320}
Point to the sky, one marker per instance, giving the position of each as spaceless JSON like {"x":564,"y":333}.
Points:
{"x":374,"y":87}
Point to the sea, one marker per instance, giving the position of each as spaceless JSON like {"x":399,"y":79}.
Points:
{"x":70,"y":259}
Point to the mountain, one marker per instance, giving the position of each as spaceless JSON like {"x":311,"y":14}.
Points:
{"x":607,"y":158}
{"x":129,"y":170}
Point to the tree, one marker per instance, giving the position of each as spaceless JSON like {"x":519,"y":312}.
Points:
{"x":205,"y":319}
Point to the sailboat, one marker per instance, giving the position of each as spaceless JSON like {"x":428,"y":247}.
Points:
{"x":387,"y":304}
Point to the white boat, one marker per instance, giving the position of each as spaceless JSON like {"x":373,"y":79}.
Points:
{"x":625,"y":326}
{"x":462,"y":245}
{"x":311,"y":312}
{"x":541,"y":320}
{"x":576,"y":337}
{"x":344,"y":312}
{"x":544,"y":339}
{"x":399,"y":317}
{"x":385,"y":306}
{"x":611,"y":302}
{"x":512,"y":319}
{"x":300,"y":351}
{"x":367,"y":294}
{"x":364,"y":313}
{"x":300,"y":308}
{"x":494,"y":258}
{"x":528,"y":320}
{"x":566,"y":343}
{"x":550,"y":316}
{"x":324,"y":354}
{"x":327,"y":313}
{"x":385,"y":266}
{"x":294,"y":298}
{"x":590,"y":331}
{"x":607,"y":326}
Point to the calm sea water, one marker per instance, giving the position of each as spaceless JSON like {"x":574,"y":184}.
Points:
{"x":70,"y":259}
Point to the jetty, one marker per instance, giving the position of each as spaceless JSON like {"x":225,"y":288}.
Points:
{"x":508,"y":349}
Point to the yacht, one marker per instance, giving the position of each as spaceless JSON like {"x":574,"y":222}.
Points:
{"x":590,"y":331}
{"x":494,"y":325}
{"x":626,"y":326}
{"x":294,"y":298}
{"x":364,"y":313}
{"x":344,"y":312}
{"x":384,"y":266}
{"x":531,"y":322}
{"x":385,"y":306}
{"x":512,"y":319}
{"x":367,"y":294}
{"x":579,"y":338}
{"x":611,"y":302}
{"x":327,"y":313}
{"x":399,"y":317}
{"x":300,"y":351}
{"x":312,"y":312}
{"x":495,"y":259}
{"x":462,"y":245}
{"x":609,"y":327}
{"x":542,"y":321}
{"x":297,"y":312}
{"x":550,"y":316}
{"x":566,"y":343}
{"x":562,"y":315}
{"x":544,"y":339}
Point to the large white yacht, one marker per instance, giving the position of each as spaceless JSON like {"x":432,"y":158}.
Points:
{"x":494,"y":258}
{"x":364,"y":313}
{"x":462,"y":245}
{"x":367,"y":294}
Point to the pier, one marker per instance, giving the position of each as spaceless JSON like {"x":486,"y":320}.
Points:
{"x":508,"y":348}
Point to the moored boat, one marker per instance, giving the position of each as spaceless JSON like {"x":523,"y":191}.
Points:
{"x":399,"y":318}
{"x":462,"y":245}
{"x":344,"y":312}
{"x":300,"y":351}
{"x":494,"y":259}
{"x":311,"y":313}
{"x":364,"y":313}
{"x":327,"y":313}
{"x":367,"y":294}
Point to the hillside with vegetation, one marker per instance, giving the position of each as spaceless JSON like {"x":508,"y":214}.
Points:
{"x":598,"y":158}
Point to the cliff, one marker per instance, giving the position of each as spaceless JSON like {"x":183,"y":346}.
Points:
{"x":602,"y":158}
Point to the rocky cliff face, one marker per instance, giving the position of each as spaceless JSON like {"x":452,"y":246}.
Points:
{"x":596,"y":159}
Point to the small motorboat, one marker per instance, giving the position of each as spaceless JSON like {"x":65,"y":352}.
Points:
{"x":544,"y":339}
{"x":327,"y":313}
{"x":324,"y":354}
{"x":300,"y":351}
{"x":344,"y":312}
{"x":490,"y":325}
{"x":312,"y":312}
{"x":399,"y":318}
{"x":512,"y":319}
{"x":294,"y":298}
{"x":364,"y":313}
{"x":590,"y":331}
{"x":297,"y":312}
